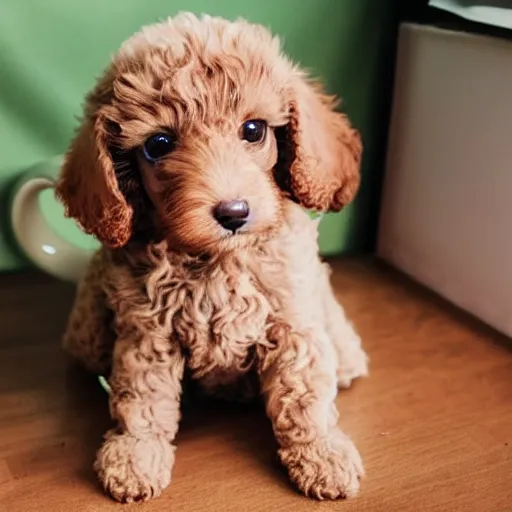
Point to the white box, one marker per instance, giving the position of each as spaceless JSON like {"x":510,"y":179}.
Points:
{"x":446,"y":217}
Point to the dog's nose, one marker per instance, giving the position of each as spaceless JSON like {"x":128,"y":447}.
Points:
{"x":231,"y":215}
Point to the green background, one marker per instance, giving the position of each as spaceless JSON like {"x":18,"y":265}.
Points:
{"x":51,"y":51}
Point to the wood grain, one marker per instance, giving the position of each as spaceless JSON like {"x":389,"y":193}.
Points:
{"x":433,"y":421}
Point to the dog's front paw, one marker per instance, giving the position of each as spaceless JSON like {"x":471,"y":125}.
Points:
{"x":325,"y":469}
{"x":133,"y":469}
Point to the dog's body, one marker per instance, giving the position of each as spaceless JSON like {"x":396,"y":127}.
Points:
{"x":244,"y":304}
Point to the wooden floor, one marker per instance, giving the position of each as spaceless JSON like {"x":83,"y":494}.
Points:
{"x":433,"y":421}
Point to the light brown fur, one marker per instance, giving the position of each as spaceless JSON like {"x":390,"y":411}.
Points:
{"x":171,"y":292}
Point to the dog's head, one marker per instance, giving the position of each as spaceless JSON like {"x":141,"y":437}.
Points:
{"x":198,"y":132}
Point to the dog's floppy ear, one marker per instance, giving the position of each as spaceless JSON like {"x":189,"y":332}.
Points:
{"x":319,"y":151}
{"x":87,"y":185}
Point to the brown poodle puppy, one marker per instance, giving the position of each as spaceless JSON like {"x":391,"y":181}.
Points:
{"x":200,"y":147}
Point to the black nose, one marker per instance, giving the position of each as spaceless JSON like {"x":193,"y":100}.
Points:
{"x":231,"y":215}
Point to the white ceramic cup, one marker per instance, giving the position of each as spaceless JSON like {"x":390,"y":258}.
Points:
{"x":40,"y":242}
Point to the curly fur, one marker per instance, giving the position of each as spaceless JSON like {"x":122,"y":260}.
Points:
{"x":170,"y":291}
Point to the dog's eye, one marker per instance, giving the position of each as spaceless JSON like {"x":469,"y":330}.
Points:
{"x":158,"y":146}
{"x":254,"y":130}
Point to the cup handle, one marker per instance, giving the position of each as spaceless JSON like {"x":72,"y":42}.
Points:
{"x":36,"y":238}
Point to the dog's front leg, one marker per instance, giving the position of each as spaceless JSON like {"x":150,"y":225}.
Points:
{"x":298,"y":378}
{"x":136,"y":459}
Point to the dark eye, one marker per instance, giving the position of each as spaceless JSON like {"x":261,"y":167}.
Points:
{"x":254,"y":130}
{"x":158,"y":146}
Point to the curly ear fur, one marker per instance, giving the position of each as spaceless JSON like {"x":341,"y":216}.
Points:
{"x":319,"y":152}
{"x":87,"y":185}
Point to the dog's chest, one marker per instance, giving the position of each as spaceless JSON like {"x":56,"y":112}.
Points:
{"x":219,"y":322}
